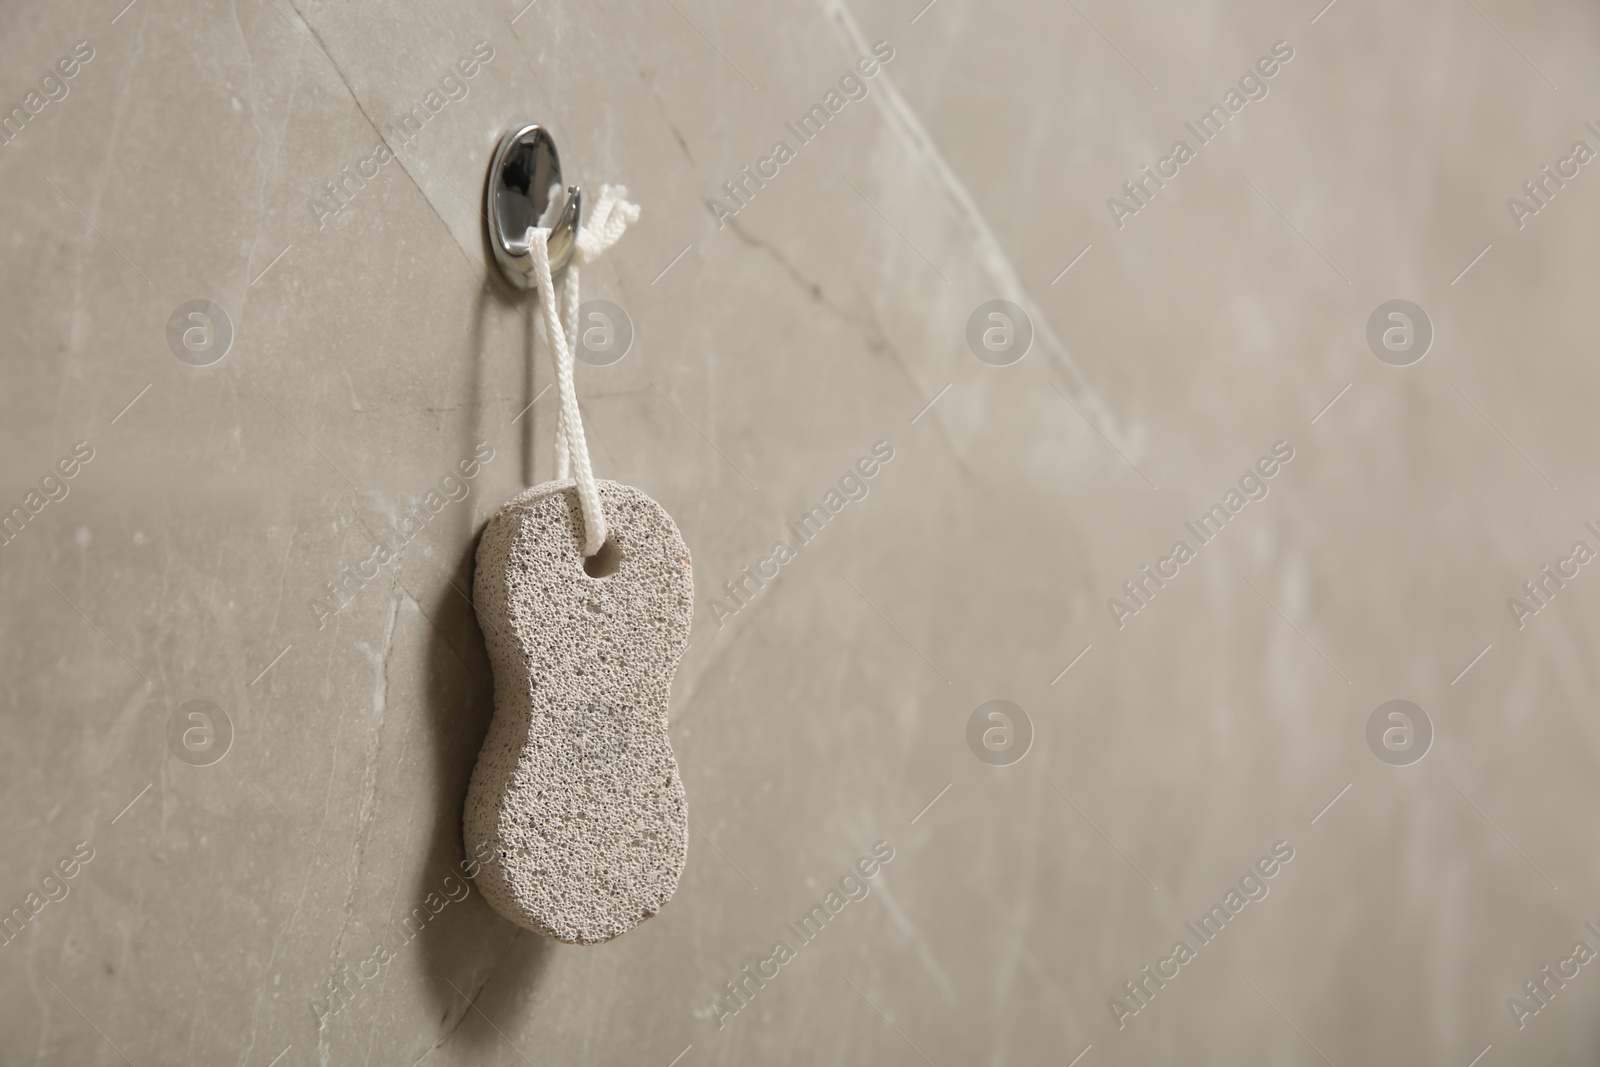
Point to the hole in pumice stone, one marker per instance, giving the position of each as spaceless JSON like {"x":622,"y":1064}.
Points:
{"x":605,"y":562}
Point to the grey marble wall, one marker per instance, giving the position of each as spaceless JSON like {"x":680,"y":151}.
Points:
{"x":1397,"y":872}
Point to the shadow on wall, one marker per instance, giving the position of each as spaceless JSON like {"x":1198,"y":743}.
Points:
{"x":474,"y":953}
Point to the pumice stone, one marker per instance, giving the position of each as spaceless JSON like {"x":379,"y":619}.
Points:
{"x":576,"y":790}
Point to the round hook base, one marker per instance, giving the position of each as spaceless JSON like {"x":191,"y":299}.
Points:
{"x":524,"y":192}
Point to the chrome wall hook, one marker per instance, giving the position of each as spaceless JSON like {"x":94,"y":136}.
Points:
{"x":524,"y":192}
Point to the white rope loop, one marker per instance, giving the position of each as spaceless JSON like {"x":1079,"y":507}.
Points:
{"x":608,"y":220}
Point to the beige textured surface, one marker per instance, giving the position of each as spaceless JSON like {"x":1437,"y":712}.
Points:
{"x":375,"y":354}
{"x":575,"y":791}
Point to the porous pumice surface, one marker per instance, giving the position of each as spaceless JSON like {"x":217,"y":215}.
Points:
{"x":576,"y":789}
